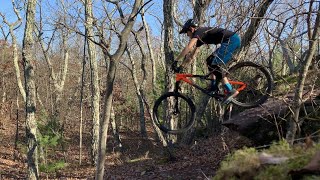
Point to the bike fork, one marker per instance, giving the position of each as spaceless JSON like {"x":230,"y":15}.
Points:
{"x":176,"y":99}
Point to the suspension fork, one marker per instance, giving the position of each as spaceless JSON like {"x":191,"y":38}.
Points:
{"x":176,"y":99}
{"x":177,"y":86}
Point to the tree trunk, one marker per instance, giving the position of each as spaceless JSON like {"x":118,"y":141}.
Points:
{"x":200,"y":8}
{"x":81,"y":100}
{"x":29,"y":73}
{"x":104,"y":126}
{"x":17,"y":125}
{"x":95,"y":90}
{"x":168,"y":42}
{"x":201,"y":108}
{"x":115,"y":130}
{"x":168,"y":51}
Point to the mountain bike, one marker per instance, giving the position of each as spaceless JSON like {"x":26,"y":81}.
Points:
{"x":174,"y":112}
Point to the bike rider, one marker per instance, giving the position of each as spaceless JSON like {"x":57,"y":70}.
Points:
{"x":230,"y":42}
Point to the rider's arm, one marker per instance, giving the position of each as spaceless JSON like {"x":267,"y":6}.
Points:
{"x":187,"y":49}
{"x":191,"y":57}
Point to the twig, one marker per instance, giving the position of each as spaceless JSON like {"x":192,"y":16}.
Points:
{"x":204,"y":175}
{"x":140,"y":9}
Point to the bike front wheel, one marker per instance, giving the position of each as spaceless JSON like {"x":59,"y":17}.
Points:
{"x":258,"y":84}
{"x":174,"y":113}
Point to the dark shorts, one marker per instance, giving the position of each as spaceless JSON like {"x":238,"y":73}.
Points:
{"x":224,"y":53}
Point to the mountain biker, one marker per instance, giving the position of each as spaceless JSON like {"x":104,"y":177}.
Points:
{"x":229,"y":41}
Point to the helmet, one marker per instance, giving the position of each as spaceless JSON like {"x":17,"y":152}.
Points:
{"x":188,"y":24}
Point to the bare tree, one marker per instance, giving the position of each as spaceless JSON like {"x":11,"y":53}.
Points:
{"x":140,"y":89}
{"x":58,"y":79}
{"x":114,"y":59}
{"x":253,"y":26}
{"x":314,"y":38}
{"x":29,"y":73}
{"x":12,"y":27}
{"x":286,"y":43}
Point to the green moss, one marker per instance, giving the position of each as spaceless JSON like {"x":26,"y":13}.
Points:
{"x":245,"y":163}
{"x":238,"y":163}
{"x":282,"y":147}
{"x":273,"y":172}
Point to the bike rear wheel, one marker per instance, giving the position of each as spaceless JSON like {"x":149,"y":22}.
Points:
{"x":174,"y":113}
{"x":258,"y":80}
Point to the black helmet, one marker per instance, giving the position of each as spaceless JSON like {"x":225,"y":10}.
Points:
{"x":188,"y":24}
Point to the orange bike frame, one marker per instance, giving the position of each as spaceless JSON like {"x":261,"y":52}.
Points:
{"x":184,"y":77}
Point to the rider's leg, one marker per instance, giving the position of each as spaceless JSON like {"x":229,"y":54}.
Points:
{"x":216,"y":76}
{"x":223,"y":56}
{"x":213,"y":86}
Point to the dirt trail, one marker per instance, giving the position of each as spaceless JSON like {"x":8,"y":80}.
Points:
{"x":141,"y":159}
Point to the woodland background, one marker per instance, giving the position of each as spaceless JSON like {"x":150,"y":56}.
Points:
{"x":78,"y":79}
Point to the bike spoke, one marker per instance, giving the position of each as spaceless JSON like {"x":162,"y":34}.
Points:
{"x":258,"y":84}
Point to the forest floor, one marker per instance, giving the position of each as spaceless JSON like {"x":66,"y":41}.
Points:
{"x":141,"y":158}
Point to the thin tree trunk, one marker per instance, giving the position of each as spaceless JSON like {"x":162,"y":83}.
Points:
{"x":140,"y":86}
{"x":104,"y":126}
{"x":115,"y":129}
{"x":149,"y":44}
{"x":142,"y":97}
{"x":81,"y":100}
{"x":138,"y":92}
{"x":158,"y":131}
{"x":95,"y":90}
{"x":17,"y":125}
{"x":29,"y":73}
